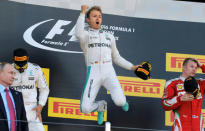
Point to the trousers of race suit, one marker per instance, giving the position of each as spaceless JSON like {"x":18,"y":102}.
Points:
{"x":187,"y":123}
{"x":100,"y":74}
{"x":33,"y":123}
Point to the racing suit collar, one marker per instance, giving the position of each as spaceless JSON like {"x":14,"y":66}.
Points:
{"x":24,"y":69}
{"x":182,"y":78}
{"x":96,"y":30}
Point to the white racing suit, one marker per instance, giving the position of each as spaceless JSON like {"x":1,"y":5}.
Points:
{"x":27,"y":83}
{"x":99,"y":50}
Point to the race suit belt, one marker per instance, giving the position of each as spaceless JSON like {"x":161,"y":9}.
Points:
{"x":29,"y":103}
{"x":100,"y":62}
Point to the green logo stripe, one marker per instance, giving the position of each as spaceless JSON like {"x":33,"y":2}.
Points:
{"x":87,"y":78}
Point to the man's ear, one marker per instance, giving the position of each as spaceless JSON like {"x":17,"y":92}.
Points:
{"x":88,"y":20}
{"x":183,"y":67}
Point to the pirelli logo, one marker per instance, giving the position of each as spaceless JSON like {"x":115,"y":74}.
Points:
{"x":69,"y":108}
{"x":174,"y":61}
{"x":133,"y":86}
{"x":169,"y":117}
{"x":46,"y":74}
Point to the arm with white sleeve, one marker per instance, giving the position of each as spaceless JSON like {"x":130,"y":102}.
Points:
{"x":120,"y":61}
{"x":43,"y":92}
{"x":43,"y":88}
{"x":80,"y":32}
{"x":170,"y":100}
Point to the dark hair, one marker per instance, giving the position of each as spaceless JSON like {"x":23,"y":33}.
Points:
{"x":97,"y":8}
{"x":190,"y":59}
{"x":20,"y":52}
{"x":3,"y":64}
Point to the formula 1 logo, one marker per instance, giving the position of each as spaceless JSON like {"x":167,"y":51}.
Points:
{"x":53,"y":35}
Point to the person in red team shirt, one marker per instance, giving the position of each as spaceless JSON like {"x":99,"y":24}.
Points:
{"x":186,"y":107}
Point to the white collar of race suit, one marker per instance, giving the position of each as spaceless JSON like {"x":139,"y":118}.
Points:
{"x":182,"y":78}
{"x":96,"y":30}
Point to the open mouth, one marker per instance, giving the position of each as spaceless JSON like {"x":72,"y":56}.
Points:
{"x":97,"y":23}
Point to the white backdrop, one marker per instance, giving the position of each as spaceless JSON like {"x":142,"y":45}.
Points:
{"x":156,"y":9}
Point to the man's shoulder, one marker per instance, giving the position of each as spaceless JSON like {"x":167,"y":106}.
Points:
{"x":200,"y":80}
{"x":33,"y":66}
{"x":173,"y":81}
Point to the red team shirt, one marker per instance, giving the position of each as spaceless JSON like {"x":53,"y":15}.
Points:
{"x":187,"y":113}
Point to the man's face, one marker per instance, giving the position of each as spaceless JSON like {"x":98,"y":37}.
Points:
{"x":190,"y":69}
{"x":7,"y":75}
{"x":95,"y":19}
